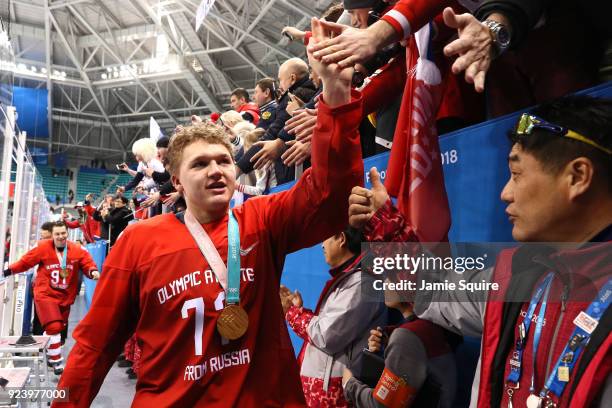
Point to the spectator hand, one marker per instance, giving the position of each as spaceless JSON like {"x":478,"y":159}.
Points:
{"x":172,"y":198}
{"x":346,"y":375}
{"x":285,"y":296}
{"x":350,"y":47}
{"x":149,"y":171}
{"x":296,"y":299}
{"x":153,"y":198}
{"x":95,"y":275}
{"x":296,"y":34}
{"x":302,"y":124}
{"x":268,"y":154}
{"x":336,"y":79}
{"x":120,"y":190}
{"x":363,"y":203}
{"x":89,"y":197}
{"x":474,"y":47}
{"x":375,"y":340}
{"x":297,"y":153}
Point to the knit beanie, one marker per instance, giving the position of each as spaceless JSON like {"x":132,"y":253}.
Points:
{"x":357,"y":4}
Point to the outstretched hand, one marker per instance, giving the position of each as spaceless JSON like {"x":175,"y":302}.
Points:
{"x":336,"y":79}
{"x":474,"y":47}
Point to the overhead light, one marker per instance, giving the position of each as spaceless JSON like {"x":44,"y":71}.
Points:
{"x":63,"y":74}
{"x":104,"y":76}
{"x":115,"y":74}
{"x":33,"y":68}
{"x":22,"y":67}
{"x":43,"y":70}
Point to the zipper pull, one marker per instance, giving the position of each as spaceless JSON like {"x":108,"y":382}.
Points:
{"x":564,"y":296}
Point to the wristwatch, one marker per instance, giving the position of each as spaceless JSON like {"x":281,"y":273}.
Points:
{"x":501,"y":36}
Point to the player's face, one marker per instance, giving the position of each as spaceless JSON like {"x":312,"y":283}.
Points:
{"x":208,"y":177}
{"x":44,"y":234}
{"x":537,"y":205}
{"x":60,"y":236}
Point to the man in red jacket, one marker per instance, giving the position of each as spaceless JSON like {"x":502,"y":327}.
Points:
{"x":214,"y":335}
{"x":241,"y":104}
{"x":86,"y":222}
{"x":546,"y":330}
{"x":56,"y":284}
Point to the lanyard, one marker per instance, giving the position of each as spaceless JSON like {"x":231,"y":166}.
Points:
{"x":228,"y":277}
{"x":516,"y":362}
{"x":585,"y":325}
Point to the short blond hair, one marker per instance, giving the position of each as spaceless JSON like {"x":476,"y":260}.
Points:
{"x":145,"y":148}
{"x":252,"y":137}
{"x":231,"y":118}
{"x":203,"y":131}
{"x":242,"y":128}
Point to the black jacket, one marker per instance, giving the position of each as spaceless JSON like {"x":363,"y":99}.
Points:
{"x":104,"y":226}
{"x":118,"y":219}
{"x":275,"y":128}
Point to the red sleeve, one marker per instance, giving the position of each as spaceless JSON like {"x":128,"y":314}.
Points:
{"x":384,"y":86}
{"x":72,"y":224}
{"x":89,"y":209}
{"x":31,"y":258}
{"x":389,"y":225}
{"x":298,"y":319}
{"x":86,"y":263}
{"x":101,"y":335}
{"x":307,"y":37}
{"x":316,"y":207}
{"x":409,"y":16}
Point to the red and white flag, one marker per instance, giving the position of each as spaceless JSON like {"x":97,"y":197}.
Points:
{"x":415,"y":174}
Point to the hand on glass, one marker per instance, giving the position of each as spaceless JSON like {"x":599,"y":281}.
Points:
{"x":297,"y":153}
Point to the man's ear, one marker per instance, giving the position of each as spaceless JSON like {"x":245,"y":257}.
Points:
{"x":342,"y":237}
{"x":579,"y":174}
{"x":176,"y":182}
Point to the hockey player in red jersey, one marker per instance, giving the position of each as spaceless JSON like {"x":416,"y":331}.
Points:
{"x":211,"y":336}
{"x":56,"y":284}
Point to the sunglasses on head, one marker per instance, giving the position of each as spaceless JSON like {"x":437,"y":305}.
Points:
{"x":527,"y":123}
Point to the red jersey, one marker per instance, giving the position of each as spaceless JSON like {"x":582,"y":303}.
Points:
{"x":90,"y":228}
{"x":49,"y":285}
{"x":157,"y":283}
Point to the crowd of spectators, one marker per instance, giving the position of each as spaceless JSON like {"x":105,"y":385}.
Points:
{"x":519,"y":52}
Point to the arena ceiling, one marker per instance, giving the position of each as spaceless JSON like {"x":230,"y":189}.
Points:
{"x":112,"y":64}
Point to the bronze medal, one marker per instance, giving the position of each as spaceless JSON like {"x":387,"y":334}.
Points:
{"x":233,"y":322}
{"x":64,"y":273}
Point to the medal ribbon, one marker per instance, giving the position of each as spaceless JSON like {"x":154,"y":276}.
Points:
{"x":595,"y":310}
{"x":516,"y":362}
{"x":64,"y":257}
{"x":228,"y":277}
